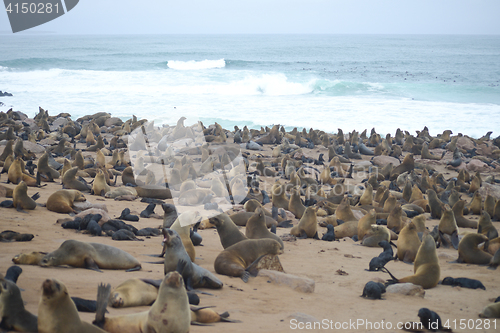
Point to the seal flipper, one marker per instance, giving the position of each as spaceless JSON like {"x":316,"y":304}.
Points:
{"x":91,"y":264}
{"x":285,"y":224}
{"x":252,"y":268}
{"x":224,"y":318}
{"x":245,"y":276}
{"x":35,"y":196}
{"x":103,"y":292}
{"x":133,"y":269}
{"x":302,"y":235}
{"x":454,"y":240}
{"x":316,"y":236}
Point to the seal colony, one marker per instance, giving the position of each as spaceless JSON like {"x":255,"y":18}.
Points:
{"x":303,"y":180}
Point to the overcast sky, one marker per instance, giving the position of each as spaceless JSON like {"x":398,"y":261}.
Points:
{"x":275,"y":16}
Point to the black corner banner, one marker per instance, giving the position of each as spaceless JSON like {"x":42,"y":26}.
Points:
{"x":26,"y":14}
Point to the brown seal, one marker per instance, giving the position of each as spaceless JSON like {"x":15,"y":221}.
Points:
{"x":169,"y":313}
{"x":346,"y":229}
{"x":240,"y":259}
{"x":13,"y":315}
{"x":184,"y":232}
{"x":448,"y":226}
{"x":21,"y":200}
{"x":491,"y":311}
{"x":407,"y":165}
{"x":469,"y":253}
{"x":278,"y":196}
{"x":256,"y":227}
{"x":177,"y":259}
{"x":308,"y":225}
{"x":476,"y":205}
{"x":153,"y":191}
{"x":367,"y":196}
{"x":344,"y":212}
{"x":458,"y":212}
{"x":408,"y":243}
{"x":295,"y":204}
{"x":364,"y":224}
{"x":426,"y":266}
{"x":128,"y":176}
{"x":229,"y":233}
{"x":375,"y":235}
{"x":61,"y":201}
{"x":241,"y":218}
{"x":69,"y":181}
{"x":435,"y":204}
{"x":16,"y":173}
{"x":100,"y":187}
{"x":395,"y":219}
{"x":44,"y":168}
{"x":133,"y":292}
{"x":485,"y":227}
{"x":31,"y":258}
{"x":90,"y":255}
{"x":57,"y":313}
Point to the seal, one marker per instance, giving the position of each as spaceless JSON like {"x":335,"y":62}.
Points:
{"x":45,"y":169}
{"x":426,"y":266}
{"x":31,"y":258}
{"x":448,"y":226}
{"x":376,"y":234}
{"x":408,"y":243}
{"x":485,"y":227}
{"x":169,"y":313}
{"x":240,"y":259}
{"x":476,"y":205}
{"x":278,"y":197}
{"x":13,"y":315}
{"x":377,"y":263}
{"x":128,"y":176}
{"x":347,"y":229}
{"x":153,"y":191}
{"x":241,"y":218}
{"x":407,"y":165}
{"x":295,"y":204}
{"x":491,"y":311}
{"x":133,"y":292}
{"x":463,"y":283}
{"x":308,"y":225}
{"x":90,"y":255}
{"x":176,"y":258}
{"x":229,"y":233}
{"x":16,"y":173}
{"x":21,"y":200}
{"x":458,"y":212}
{"x":256,"y":227}
{"x":344,"y":212}
{"x":57,"y":313}
{"x":364,"y":224}
{"x":373,"y":290}
{"x":69,"y":181}
{"x":468,"y":251}
{"x":185,"y":218}
{"x":100,"y":187}
{"x":435,"y":204}
{"x":61,"y":201}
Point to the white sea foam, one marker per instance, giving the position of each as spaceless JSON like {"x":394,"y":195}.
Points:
{"x":196,"y":65}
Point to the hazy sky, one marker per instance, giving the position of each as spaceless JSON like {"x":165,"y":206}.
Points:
{"x":276,"y":16}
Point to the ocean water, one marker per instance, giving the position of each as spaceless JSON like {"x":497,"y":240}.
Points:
{"x":320,"y":81}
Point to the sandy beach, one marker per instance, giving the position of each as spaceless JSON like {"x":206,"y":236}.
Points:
{"x":338,"y":268}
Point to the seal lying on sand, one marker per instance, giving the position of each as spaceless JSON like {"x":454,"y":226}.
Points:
{"x":90,"y":255}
